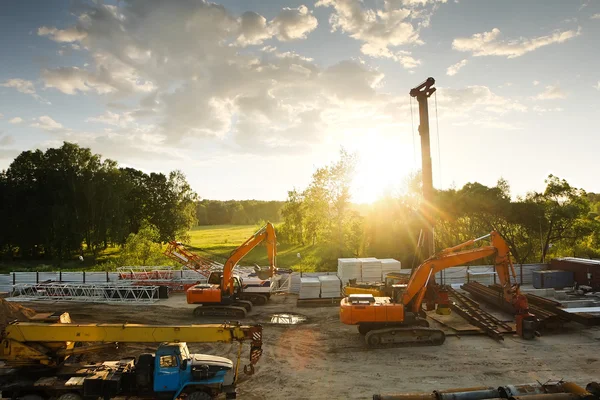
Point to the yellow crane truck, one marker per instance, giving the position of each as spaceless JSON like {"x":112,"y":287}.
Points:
{"x":38,"y":361}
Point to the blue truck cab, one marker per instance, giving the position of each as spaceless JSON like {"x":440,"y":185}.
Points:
{"x":199,"y":376}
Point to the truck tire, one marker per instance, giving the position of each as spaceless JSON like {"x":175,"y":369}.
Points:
{"x":144,"y":370}
{"x":70,"y":396}
{"x":199,"y":396}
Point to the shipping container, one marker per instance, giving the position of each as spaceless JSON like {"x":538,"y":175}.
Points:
{"x":585,"y":271}
{"x":552,"y":279}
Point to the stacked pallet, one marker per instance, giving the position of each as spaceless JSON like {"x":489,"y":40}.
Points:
{"x":389,"y":265}
{"x":310,"y":288}
{"x":330,"y":286}
{"x":348,"y":268}
{"x":295,"y":283}
{"x":370,"y":269}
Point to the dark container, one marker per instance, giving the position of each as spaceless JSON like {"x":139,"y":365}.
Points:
{"x":585,"y":271}
{"x":552,"y":279}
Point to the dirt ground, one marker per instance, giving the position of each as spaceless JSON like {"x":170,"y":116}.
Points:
{"x":324,"y":359}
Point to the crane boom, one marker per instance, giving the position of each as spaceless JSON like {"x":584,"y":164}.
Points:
{"x":267,"y":234}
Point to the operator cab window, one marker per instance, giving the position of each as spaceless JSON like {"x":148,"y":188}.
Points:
{"x":168,"y":361}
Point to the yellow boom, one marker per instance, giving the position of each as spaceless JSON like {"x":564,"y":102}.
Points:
{"x":30,"y":343}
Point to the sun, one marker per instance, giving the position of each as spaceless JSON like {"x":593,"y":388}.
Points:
{"x":382,"y":165}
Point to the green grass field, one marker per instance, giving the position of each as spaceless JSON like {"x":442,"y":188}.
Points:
{"x":215,"y":242}
{"x":218,"y":241}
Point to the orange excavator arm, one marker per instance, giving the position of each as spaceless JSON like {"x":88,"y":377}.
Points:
{"x":454,"y":256}
{"x":267,"y":234}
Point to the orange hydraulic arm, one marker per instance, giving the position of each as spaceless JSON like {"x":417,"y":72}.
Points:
{"x":267,"y":234}
{"x":454,"y":256}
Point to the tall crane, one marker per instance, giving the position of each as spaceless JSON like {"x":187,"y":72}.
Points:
{"x":223,"y":295}
{"x":422,"y":94}
{"x":397,"y":320}
{"x":37,"y":361}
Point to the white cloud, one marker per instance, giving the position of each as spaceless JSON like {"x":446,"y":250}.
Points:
{"x":490,"y":44}
{"x":21,"y":85}
{"x":16,"y":120}
{"x":535,"y":83}
{"x":115,"y":119}
{"x":551,"y":93}
{"x":595,"y":16}
{"x":543,"y":110}
{"x":294,"y":23}
{"x":1,"y":115}
{"x":380,"y":30}
{"x":453,"y":69}
{"x":597,"y":86}
{"x":48,"y":124}
{"x":69,"y":35}
{"x":460,"y":102}
{"x":6,"y":140}
{"x":24,"y":86}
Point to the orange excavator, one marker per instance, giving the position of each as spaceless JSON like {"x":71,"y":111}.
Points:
{"x":398,"y":320}
{"x":223,"y":295}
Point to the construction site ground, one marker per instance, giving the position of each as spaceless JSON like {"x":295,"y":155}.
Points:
{"x":324,"y":359}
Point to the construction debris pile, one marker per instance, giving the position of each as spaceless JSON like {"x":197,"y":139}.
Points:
{"x":10,"y":312}
{"x":559,"y":390}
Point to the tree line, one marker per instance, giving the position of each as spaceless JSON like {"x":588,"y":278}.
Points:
{"x":561,"y":220}
{"x":237,"y":212}
{"x":67,"y":200}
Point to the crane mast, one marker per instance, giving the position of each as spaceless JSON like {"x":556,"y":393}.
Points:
{"x":422,"y":94}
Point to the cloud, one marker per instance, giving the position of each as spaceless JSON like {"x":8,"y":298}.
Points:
{"x":289,"y":24}
{"x":16,"y":120}
{"x":543,"y":110}
{"x":453,"y":69}
{"x":597,"y":86}
{"x":380,"y":30}
{"x":115,"y":119}
{"x":48,"y":124}
{"x":24,"y":86}
{"x":595,"y":16}
{"x":551,"y":93}
{"x":490,"y":44}
{"x":294,"y":23}
{"x":1,"y":115}
{"x":461,"y":102}
{"x":6,"y":140}
{"x":73,"y":34}
{"x":535,"y":83}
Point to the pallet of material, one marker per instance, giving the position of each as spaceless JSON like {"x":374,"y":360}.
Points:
{"x":330,"y":286}
{"x":389,"y":265}
{"x":331,"y":302}
{"x":370,"y":269}
{"x":310,"y":288}
{"x":348,"y":268}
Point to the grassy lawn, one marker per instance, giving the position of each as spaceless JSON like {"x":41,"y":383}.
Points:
{"x":215,"y":242}
{"x":218,"y":241}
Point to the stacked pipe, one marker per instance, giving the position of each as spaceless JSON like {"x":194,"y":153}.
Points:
{"x":490,"y":295}
{"x":534,"y":391}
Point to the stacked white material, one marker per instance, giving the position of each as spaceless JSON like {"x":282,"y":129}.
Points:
{"x":370,"y":269}
{"x":348,"y":268}
{"x":296,"y":283}
{"x":330,"y":286}
{"x":310,"y":288}
{"x":389,"y":265}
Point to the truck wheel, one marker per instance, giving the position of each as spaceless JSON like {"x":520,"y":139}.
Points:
{"x":69,"y":396}
{"x":199,"y":396}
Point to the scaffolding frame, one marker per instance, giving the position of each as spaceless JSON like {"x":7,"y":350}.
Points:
{"x":86,"y":293}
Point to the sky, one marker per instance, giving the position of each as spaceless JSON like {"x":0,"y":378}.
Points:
{"x":249,"y":97}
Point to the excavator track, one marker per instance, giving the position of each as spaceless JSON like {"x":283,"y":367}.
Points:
{"x":404,"y":336}
{"x":246,"y":304}
{"x":256,"y":299}
{"x":220,"y":311}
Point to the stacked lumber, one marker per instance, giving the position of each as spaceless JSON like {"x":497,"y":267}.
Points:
{"x":330,"y":286}
{"x":348,"y":268}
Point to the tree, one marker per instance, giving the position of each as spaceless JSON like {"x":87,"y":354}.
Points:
{"x":293,"y":217}
{"x":142,"y":248}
